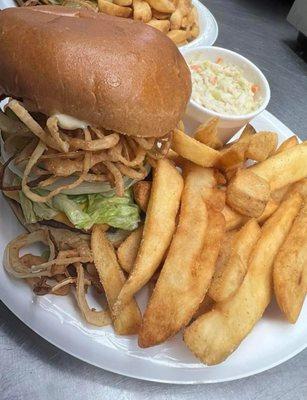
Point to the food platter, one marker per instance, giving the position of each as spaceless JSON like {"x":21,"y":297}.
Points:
{"x":57,"y":319}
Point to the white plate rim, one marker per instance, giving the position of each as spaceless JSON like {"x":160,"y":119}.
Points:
{"x":51,"y":333}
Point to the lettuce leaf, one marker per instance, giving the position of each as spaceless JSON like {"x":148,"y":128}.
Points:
{"x":73,"y":211}
{"x":83,"y":211}
{"x":119,"y":212}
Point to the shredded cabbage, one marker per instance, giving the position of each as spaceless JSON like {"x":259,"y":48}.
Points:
{"x":223,"y":88}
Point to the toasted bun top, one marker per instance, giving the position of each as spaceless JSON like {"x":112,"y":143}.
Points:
{"x":111,"y":72}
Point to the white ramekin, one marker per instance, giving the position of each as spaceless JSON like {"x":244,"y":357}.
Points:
{"x":228,"y":124}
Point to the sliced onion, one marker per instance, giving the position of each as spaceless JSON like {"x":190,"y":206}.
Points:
{"x":98,"y":318}
{"x":12,"y":262}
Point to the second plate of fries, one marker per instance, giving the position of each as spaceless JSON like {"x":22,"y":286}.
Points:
{"x":218,"y":268}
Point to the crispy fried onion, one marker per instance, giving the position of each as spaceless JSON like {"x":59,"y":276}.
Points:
{"x":90,"y":154}
{"x":98,"y":318}
{"x":80,"y":252}
{"x":70,"y":264}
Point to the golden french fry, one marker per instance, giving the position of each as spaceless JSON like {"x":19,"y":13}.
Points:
{"x":180,"y":126}
{"x":193,"y":150}
{"x":278,"y":194}
{"x":287,"y":144}
{"x":233,"y":219}
{"x":158,"y":230}
{"x":177,"y":36}
{"x":247,"y":193}
{"x":299,"y":187}
{"x":181,"y":11}
{"x":123,"y":3}
{"x":195,"y":31}
{"x":216,"y":334}
{"x":175,"y":158}
{"x":236,"y":220}
{"x":290,"y":269}
{"x":141,"y":193}
{"x":215,"y":198}
{"x":206,"y":305}
{"x":207,"y":134}
{"x":159,"y":15}
{"x":141,"y":11}
{"x":283,"y":168}
{"x":261,"y":146}
{"x":161,"y":25}
{"x":229,"y":276}
{"x":127,"y":251}
{"x":189,"y":265}
{"x":113,"y":9}
{"x":232,"y":156}
{"x":164,"y":6}
{"x":270,"y":208}
{"x":112,"y":278}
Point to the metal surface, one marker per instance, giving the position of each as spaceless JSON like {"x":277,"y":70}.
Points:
{"x":31,"y":368}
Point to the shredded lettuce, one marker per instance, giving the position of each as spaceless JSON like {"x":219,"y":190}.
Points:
{"x":83,"y":211}
{"x":73,"y":211}
{"x":27,"y":208}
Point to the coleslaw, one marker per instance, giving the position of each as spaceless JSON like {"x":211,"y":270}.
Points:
{"x":222,"y":88}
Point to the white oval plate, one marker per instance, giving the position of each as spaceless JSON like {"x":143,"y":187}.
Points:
{"x":208,"y":28}
{"x":56,"y":319}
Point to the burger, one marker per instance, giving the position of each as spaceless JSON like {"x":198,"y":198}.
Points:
{"x":90,"y":104}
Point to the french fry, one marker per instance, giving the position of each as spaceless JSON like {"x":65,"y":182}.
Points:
{"x":193,"y":150}
{"x":205,"y":306}
{"x":216,"y":334}
{"x":278,"y":194}
{"x":270,"y":208}
{"x":141,"y":194}
{"x":164,"y":6}
{"x":283,"y":168}
{"x":158,"y":15}
{"x":195,"y":31}
{"x":299,"y":187}
{"x":261,"y":146}
{"x":181,"y":11}
{"x":113,"y":9}
{"x":247,"y":193}
{"x":230,"y":274}
{"x":141,"y":11}
{"x":175,"y":158}
{"x":112,"y":278}
{"x":127,"y":251}
{"x":290,"y":269}
{"x":215,"y":198}
{"x":123,"y":3}
{"x":158,"y":230}
{"x":233,"y":154}
{"x":206,"y":133}
{"x":161,"y":25}
{"x":180,"y":126}
{"x":189,"y":265}
{"x":178,"y":36}
{"x":235,"y":220}
{"x":287,"y":144}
